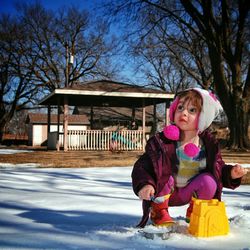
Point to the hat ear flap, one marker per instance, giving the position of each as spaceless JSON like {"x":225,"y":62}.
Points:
{"x":172,"y":132}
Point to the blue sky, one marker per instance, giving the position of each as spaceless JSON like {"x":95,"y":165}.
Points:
{"x":8,"y":6}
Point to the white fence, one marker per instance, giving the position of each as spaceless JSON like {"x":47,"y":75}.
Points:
{"x":105,"y":140}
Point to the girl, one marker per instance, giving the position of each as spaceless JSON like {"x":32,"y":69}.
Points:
{"x":183,"y":161}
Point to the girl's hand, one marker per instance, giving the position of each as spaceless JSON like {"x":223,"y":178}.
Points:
{"x":238,"y":171}
{"x":146,"y":192}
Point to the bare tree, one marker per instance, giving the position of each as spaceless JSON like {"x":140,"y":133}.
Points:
{"x":17,"y":125}
{"x":170,"y":62}
{"x":34,"y":48}
{"x":224,"y":29}
{"x":59,"y":36}
{"x":209,"y":40}
{"x":16,"y":86}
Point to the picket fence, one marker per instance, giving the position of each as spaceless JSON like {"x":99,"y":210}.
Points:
{"x":124,"y":140}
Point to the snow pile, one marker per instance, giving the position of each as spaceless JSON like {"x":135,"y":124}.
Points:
{"x":20,"y":165}
{"x":6,"y":151}
{"x":95,"y":208}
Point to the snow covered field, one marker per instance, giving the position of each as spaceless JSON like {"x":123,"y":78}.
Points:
{"x":13,"y":151}
{"x":95,"y":208}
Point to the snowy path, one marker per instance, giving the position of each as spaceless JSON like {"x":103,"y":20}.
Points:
{"x":95,"y":208}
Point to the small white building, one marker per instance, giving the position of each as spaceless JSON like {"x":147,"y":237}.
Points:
{"x":37,"y":128}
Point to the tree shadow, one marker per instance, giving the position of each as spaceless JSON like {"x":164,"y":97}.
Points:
{"x":55,"y":175}
{"x":73,"y":221}
{"x":233,"y":193}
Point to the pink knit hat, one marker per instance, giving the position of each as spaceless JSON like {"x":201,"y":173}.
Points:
{"x":211,"y":108}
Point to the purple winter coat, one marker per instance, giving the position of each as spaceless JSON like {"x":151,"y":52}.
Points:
{"x":158,"y":163}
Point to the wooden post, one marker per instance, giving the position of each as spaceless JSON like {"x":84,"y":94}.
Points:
{"x":91,"y":117}
{"x":65,"y":124}
{"x":154,"y":129}
{"x":67,"y":65}
{"x":58,"y":126}
{"x":133,"y":114}
{"x":143,"y":124}
{"x":167,"y":120}
{"x":48,"y":125}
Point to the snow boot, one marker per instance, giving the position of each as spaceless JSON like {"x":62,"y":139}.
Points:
{"x":190,"y":209}
{"x":159,"y":212}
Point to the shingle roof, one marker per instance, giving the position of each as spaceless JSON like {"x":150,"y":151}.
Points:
{"x":38,"y":118}
{"x":111,"y":86}
{"x":105,"y":93}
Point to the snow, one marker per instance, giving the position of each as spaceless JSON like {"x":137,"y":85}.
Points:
{"x":5,"y":151}
{"x":95,"y":208}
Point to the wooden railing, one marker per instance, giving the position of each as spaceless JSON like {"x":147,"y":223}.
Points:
{"x":105,"y":140}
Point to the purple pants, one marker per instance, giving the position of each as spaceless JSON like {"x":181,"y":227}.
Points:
{"x":202,"y":186}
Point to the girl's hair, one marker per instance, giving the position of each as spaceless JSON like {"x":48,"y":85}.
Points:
{"x":193,"y":97}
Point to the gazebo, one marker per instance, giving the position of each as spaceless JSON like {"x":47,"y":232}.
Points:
{"x":104,"y":93}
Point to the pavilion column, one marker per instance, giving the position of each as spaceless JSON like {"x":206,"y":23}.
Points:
{"x":154,"y":129}
{"x":143,"y":125}
{"x":48,"y":126}
{"x":91,"y":117}
{"x":65,"y":124}
{"x":167,"y":120}
{"x":58,"y":126}
{"x":133,"y":114}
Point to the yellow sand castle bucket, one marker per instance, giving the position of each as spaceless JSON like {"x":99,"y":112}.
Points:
{"x":208,"y":218}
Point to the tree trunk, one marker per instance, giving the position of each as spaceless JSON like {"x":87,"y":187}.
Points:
{"x":224,"y":50}
{"x":245,"y":122}
{"x":238,"y":125}
{"x":6,"y":117}
{"x":2,"y":125}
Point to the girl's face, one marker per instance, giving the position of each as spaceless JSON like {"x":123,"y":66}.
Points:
{"x":186,"y":115}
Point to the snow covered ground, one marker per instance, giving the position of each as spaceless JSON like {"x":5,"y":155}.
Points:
{"x":95,"y":208}
{"x":7,"y":151}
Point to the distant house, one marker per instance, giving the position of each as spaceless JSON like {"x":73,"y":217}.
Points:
{"x":37,"y":127}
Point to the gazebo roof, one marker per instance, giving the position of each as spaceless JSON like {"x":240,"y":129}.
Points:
{"x":105,"y":93}
{"x":39,"y":118}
